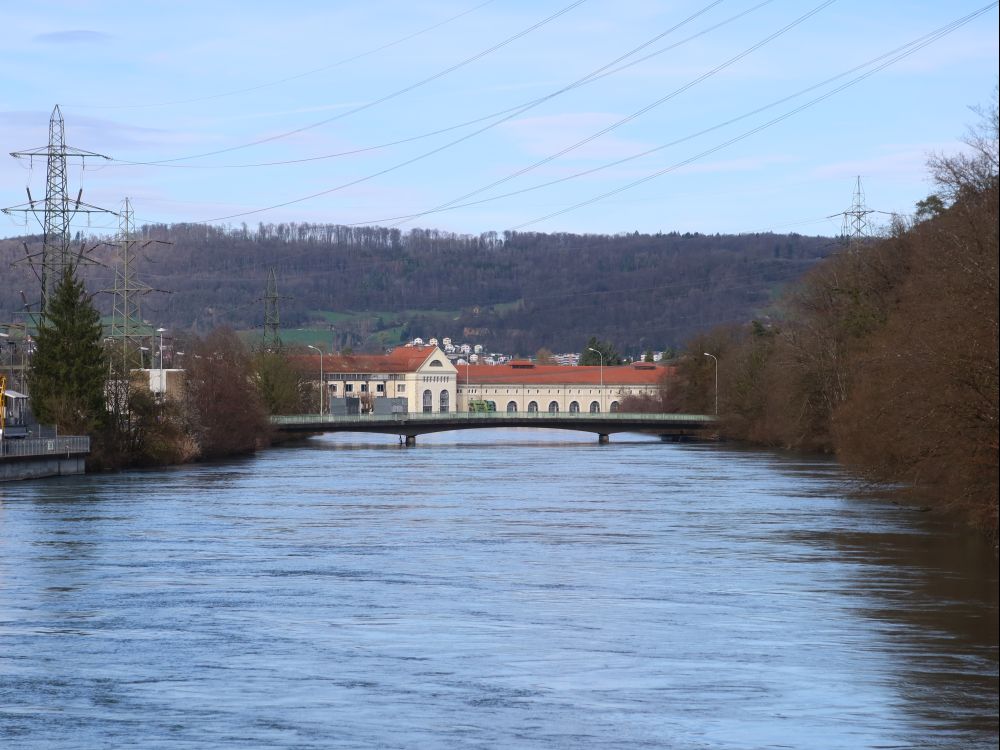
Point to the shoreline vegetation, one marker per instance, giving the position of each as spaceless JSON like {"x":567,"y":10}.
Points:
{"x":884,"y":355}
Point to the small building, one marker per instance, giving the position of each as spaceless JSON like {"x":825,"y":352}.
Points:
{"x":422,"y":375}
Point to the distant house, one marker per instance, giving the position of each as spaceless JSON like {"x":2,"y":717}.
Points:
{"x":422,"y":375}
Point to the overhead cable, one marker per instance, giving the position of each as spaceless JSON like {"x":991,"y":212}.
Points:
{"x":387,"y":97}
{"x":885,"y":60}
{"x":629,"y":118}
{"x":596,"y":75}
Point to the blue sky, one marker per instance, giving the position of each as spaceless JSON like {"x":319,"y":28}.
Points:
{"x":168,"y":81}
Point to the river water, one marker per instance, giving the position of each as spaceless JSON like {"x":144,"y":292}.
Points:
{"x":496,"y":589}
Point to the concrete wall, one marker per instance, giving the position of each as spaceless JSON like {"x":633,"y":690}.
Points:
{"x":41,"y":466}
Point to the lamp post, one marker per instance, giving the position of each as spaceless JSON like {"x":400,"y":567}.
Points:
{"x":601,"y":355}
{"x":322,"y":385}
{"x":163,"y":385}
{"x":716,"y":381}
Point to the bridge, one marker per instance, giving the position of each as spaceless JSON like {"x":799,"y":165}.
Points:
{"x":666,"y":426}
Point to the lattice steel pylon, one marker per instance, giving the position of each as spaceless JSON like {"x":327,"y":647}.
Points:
{"x":272,"y":318}
{"x":856,"y":229}
{"x":856,"y":224}
{"x":126,"y":318}
{"x":57,"y":209}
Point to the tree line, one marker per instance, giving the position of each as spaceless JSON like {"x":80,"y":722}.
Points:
{"x":85,"y":384}
{"x":884,"y":354}
{"x":513,"y":291}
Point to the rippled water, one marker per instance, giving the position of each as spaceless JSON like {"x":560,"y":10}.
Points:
{"x":519,"y":589}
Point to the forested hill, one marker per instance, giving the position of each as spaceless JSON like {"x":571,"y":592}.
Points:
{"x":513,"y":292}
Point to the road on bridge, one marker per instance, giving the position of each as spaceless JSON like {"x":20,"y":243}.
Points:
{"x":667,"y":426}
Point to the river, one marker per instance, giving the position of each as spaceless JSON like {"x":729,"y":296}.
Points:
{"x":495,"y":589}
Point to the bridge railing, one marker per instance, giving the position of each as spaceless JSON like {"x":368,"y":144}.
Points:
{"x":499,"y":417}
{"x":56,"y":446}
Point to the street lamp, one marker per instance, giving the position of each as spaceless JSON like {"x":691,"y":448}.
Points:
{"x":601,"y":355}
{"x":322,"y":385}
{"x":716,"y":381}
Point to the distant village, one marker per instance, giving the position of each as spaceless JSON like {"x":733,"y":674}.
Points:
{"x":475,"y":354}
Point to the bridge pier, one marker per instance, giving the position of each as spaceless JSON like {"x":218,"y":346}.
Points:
{"x":411,"y":441}
{"x":602,"y":439}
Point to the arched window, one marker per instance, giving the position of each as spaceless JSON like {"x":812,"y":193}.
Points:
{"x":444,"y":402}
{"x":553,"y":407}
{"x":574,"y":407}
{"x":533,"y":407}
{"x":512,"y":407}
{"x":595,"y":408}
{"x":614,"y":406}
{"x":435,"y":363}
{"x":428,"y":401}
{"x":491,"y":405}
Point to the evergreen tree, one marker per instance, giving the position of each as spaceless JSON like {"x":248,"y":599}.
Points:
{"x":68,"y":369}
{"x":278,"y":384}
{"x":608,"y":356}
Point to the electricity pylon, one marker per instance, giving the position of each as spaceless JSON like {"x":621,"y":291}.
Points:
{"x":126,"y":317}
{"x":857,"y":228}
{"x":57,"y":209}
{"x":272,"y":319}
{"x":856,"y":224}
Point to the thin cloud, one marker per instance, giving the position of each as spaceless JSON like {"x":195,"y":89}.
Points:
{"x":75,"y":36}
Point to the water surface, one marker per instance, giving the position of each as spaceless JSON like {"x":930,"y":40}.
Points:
{"x":496,"y":589}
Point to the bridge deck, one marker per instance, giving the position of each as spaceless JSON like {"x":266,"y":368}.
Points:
{"x":414,"y":424}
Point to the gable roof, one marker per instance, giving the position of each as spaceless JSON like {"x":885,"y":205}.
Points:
{"x":521,"y":373}
{"x":400,"y":359}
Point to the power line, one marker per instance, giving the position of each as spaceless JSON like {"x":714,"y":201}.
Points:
{"x":649,"y":107}
{"x":295,"y":77}
{"x":596,"y":75}
{"x":896,"y":55}
{"x":629,"y":118}
{"x":387,"y":97}
{"x":950,"y":28}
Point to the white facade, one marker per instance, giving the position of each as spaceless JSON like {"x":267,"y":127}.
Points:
{"x":426,"y":379}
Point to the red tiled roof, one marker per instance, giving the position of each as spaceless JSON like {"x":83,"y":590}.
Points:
{"x":635,"y":374}
{"x":401,"y":359}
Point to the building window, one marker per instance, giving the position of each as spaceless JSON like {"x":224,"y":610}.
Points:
{"x":401,"y":388}
{"x":349,"y":388}
{"x":614,"y":406}
{"x":574,"y":407}
{"x":333,"y":387}
{"x":428,"y":401}
{"x":364,"y":387}
{"x":553,"y":407}
{"x":444,"y":402}
{"x":595,"y":408}
{"x":512,"y":407}
{"x":380,"y":387}
{"x":435,"y":363}
{"x":533,"y":407}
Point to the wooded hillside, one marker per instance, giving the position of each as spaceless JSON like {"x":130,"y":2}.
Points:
{"x":513,"y":292}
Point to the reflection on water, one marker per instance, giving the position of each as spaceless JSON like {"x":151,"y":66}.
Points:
{"x":495,"y":589}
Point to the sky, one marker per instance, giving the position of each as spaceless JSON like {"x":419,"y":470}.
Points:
{"x":602,"y":116}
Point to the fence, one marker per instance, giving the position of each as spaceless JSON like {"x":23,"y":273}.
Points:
{"x":55,"y":446}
